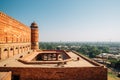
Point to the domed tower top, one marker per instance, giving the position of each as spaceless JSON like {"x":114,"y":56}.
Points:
{"x":34,"y":25}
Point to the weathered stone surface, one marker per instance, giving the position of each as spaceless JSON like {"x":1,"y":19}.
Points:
{"x":5,"y":76}
{"x":12,"y":31}
{"x":13,"y":36}
{"x":82,"y":73}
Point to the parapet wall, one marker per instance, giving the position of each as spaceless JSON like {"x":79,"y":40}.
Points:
{"x":74,"y":73}
{"x":87,"y":59}
{"x":5,"y":76}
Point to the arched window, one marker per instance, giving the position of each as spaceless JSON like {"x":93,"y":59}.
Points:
{"x":5,"y":49}
{"x":11,"y":49}
{"x":16,"y":47}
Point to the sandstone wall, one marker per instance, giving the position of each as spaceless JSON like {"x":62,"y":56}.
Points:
{"x":5,"y":76}
{"x":81,"y":73}
{"x":9,"y":50}
{"x":15,"y":37}
{"x":12,"y":31}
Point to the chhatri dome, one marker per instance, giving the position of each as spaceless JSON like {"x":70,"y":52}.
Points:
{"x":34,"y":25}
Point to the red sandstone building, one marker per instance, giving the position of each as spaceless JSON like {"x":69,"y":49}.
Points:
{"x":21,"y":59}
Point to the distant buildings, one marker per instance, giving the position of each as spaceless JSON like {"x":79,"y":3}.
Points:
{"x":109,"y":56}
{"x":114,"y":50}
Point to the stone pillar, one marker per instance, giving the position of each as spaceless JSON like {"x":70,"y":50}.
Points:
{"x":52,"y":57}
{"x":13,"y":50}
{"x":21,"y":49}
{"x":8,"y":52}
{"x":57,"y":55}
{"x":18,"y":50}
{"x":0,"y":53}
{"x":47,"y":56}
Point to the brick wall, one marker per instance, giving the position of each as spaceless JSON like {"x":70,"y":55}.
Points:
{"x":81,"y":73}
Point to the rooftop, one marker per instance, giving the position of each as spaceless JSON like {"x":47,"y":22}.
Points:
{"x":13,"y":61}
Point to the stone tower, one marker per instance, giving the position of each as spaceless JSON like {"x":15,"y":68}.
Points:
{"x":34,"y":36}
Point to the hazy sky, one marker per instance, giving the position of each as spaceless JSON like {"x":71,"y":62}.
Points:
{"x":68,"y":20}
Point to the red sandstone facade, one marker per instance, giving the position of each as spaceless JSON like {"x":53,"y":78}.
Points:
{"x":15,"y":37}
{"x":12,"y":31}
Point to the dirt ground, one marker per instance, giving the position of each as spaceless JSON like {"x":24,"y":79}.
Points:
{"x":112,"y":76}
